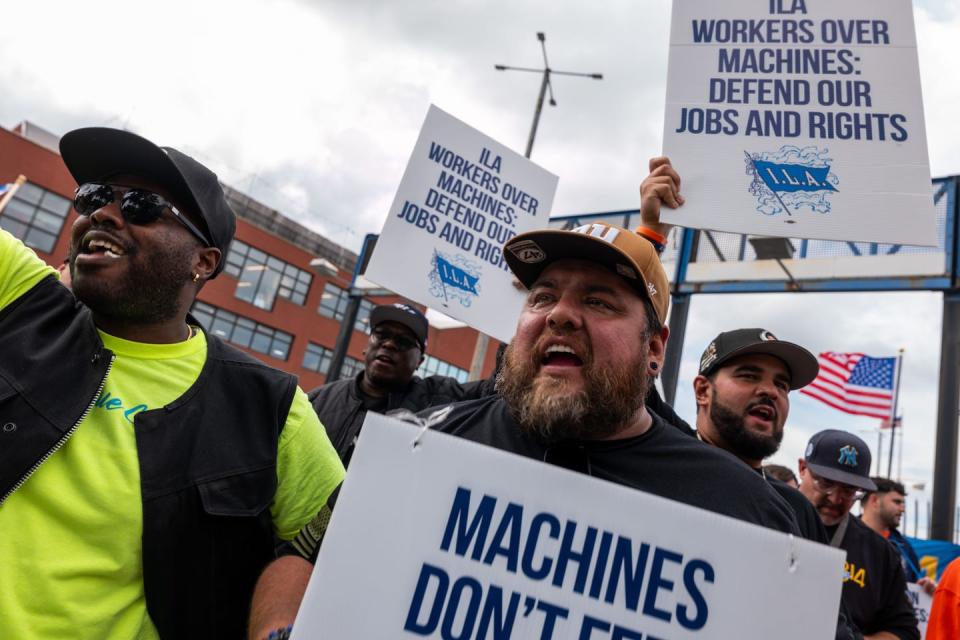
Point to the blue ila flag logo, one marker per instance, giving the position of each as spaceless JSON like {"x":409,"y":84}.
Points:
{"x":791,"y":178}
{"x":454,"y":278}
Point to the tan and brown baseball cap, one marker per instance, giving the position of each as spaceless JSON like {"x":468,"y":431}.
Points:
{"x":622,"y":251}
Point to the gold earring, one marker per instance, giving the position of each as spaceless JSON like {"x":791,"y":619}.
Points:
{"x":196,"y":277}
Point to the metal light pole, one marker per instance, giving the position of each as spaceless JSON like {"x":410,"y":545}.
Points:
{"x":355,"y":295}
{"x":476,"y":365}
{"x":545,"y":85}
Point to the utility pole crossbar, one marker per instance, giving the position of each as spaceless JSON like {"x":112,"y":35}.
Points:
{"x":476,"y":364}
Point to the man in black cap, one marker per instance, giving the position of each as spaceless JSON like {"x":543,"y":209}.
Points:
{"x":146,"y":468}
{"x":742,"y":391}
{"x":398,"y":342}
{"x":834,"y":473}
{"x":743,"y":401}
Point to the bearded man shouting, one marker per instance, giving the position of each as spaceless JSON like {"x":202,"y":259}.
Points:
{"x":589,"y":341}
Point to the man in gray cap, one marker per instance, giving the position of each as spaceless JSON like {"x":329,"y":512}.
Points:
{"x":146,"y":468}
{"x":834,"y":473}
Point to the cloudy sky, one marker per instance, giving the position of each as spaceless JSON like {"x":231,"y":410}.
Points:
{"x":313,"y":108}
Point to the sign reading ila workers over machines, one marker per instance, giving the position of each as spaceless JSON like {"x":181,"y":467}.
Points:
{"x":434,"y":536}
{"x":462,"y":197}
{"x":799,"y":118}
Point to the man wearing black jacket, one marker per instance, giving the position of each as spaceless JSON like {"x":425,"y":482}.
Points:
{"x":742,"y":395}
{"x":834,"y":472}
{"x":398,"y":341}
{"x":743,"y":386}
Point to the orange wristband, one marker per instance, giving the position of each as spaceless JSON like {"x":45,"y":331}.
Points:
{"x":650,"y":234}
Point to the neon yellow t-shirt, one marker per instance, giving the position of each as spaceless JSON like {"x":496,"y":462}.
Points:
{"x":70,"y":537}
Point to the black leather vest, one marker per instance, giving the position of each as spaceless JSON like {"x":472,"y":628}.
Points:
{"x":207,"y":460}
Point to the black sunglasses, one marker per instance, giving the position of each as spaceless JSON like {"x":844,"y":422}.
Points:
{"x":138,"y":206}
{"x":402,"y":343}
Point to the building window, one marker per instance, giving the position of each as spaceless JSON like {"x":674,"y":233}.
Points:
{"x":350,"y":368}
{"x":363,"y":316}
{"x":317,"y":358}
{"x":242,"y":331}
{"x":435,"y":367}
{"x":333,"y":304}
{"x":263,"y":277}
{"x":36,"y":216}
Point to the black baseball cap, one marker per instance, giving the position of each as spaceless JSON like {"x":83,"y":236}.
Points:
{"x":840,"y":456}
{"x":404,"y":314}
{"x":95,"y":154}
{"x":730,"y":344}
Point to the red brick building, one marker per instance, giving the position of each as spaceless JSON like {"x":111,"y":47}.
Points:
{"x":269,"y":301}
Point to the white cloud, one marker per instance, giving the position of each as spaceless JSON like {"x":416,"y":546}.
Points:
{"x":314,"y":108}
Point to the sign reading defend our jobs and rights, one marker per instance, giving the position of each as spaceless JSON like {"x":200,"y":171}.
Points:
{"x":452,"y":539}
{"x":799,"y":118}
{"x":462,"y":197}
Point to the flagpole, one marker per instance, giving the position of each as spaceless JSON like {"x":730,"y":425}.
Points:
{"x":880,"y":449}
{"x":893,"y":416}
{"x":900,"y":459}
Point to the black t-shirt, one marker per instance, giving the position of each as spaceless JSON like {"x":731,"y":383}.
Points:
{"x":663,"y":461}
{"x":874,"y":588}
{"x":377,"y":404}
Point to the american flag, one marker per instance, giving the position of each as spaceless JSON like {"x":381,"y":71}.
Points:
{"x":855,"y":383}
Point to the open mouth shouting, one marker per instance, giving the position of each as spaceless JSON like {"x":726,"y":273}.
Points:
{"x":560,"y":357}
{"x":98,"y":247}
{"x":763,"y":413}
{"x":384,"y":358}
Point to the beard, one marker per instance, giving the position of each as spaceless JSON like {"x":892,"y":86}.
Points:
{"x":546,"y":408}
{"x":890,"y":519}
{"x":147,"y":292}
{"x":730,"y":425}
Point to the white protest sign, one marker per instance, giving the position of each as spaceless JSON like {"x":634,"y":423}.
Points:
{"x":921,"y":601}
{"x":799,"y":118}
{"x":452,"y":539}
{"x":462,"y":196}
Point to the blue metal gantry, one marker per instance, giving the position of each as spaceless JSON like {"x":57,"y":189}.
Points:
{"x":695,"y":246}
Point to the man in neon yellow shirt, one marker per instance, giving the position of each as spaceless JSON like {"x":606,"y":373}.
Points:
{"x":146,"y":468}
